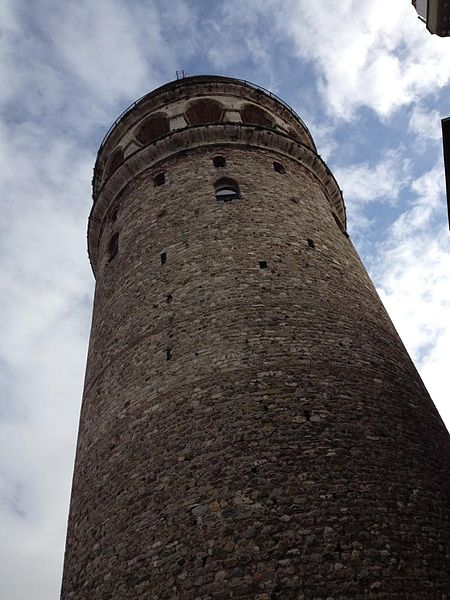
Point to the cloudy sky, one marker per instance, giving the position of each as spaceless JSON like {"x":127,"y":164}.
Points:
{"x":370,"y":82}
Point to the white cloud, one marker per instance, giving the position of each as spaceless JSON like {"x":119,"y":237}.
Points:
{"x":414,"y":284}
{"x":426,"y":124}
{"x":364,"y":183}
{"x":373,"y":54}
{"x":429,"y":191}
{"x":100,"y":44}
{"x":45,"y":300}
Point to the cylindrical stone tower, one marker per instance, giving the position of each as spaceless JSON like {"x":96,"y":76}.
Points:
{"x":252,"y":426}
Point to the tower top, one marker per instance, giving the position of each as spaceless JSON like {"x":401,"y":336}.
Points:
{"x":187,"y":81}
{"x":193,"y":113}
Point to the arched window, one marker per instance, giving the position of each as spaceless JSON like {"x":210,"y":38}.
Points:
{"x":152,"y":128}
{"x":115,"y":160}
{"x":113,"y":246}
{"x":159,"y":179}
{"x":204,"y":111}
{"x":226,"y":190}
{"x":253,"y":115}
{"x":278,"y":167}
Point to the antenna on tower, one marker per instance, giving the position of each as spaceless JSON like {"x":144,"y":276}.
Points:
{"x":182,"y":74}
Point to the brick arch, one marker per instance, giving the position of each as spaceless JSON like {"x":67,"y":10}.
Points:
{"x":152,"y":128}
{"x":203,"y":111}
{"x":253,"y":115}
{"x":114,"y":162}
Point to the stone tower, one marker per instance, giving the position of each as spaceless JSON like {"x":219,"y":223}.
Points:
{"x":252,"y":426}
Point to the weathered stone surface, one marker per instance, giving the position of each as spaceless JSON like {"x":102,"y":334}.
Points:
{"x":246,"y":432}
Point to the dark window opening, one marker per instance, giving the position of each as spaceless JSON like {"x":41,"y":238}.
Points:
{"x":263,"y":264}
{"x":163,"y":257}
{"x":311,"y":243}
{"x":278,"y":167}
{"x":169,"y":298}
{"x":253,"y":115}
{"x":168,"y":354}
{"x":219,"y":162}
{"x":113,"y":246}
{"x":114,"y":214}
{"x":154,"y":127}
{"x":227,"y":193}
{"x":206,"y":110}
{"x":159,"y":179}
{"x":226,"y":190}
{"x":117,"y":158}
{"x":307,"y":414}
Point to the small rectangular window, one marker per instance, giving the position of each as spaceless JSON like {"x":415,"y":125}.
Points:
{"x":263,"y":264}
{"x":163,"y":258}
{"x":219,"y":162}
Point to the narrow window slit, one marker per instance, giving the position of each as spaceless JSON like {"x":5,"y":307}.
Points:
{"x":311,"y":243}
{"x":263,"y":264}
{"x":307,"y":414}
{"x":159,"y":179}
{"x":113,"y":246}
{"x":169,"y":298}
{"x":168,"y":354}
{"x":163,"y":258}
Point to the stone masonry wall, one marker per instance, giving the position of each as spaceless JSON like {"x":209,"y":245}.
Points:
{"x":247,"y":432}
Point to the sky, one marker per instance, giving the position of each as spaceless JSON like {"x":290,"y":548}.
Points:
{"x":367,"y":78}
